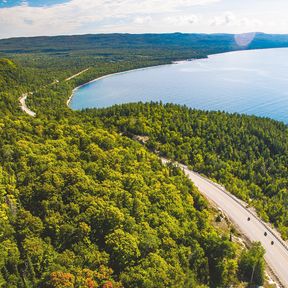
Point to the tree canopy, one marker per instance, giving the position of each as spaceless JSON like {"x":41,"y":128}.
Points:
{"x":83,"y":205}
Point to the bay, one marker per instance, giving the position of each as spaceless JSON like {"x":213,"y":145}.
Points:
{"x":253,"y":82}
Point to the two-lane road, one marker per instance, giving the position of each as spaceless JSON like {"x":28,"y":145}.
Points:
{"x":276,"y":255}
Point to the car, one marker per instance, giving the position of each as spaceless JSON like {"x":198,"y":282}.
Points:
{"x":248,"y":219}
{"x":272,"y":242}
{"x":265,"y":233}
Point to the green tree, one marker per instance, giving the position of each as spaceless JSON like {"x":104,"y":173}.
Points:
{"x":252,"y":264}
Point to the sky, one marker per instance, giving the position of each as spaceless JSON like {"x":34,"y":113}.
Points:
{"x":58,"y":17}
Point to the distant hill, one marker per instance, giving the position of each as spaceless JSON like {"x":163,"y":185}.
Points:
{"x":211,"y":43}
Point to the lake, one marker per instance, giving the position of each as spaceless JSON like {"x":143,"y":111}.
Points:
{"x":251,"y":82}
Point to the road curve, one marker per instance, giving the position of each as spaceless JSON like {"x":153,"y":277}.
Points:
{"x":276,"y":255}
{"x":23,"y":105}
{"x":24,"y":96}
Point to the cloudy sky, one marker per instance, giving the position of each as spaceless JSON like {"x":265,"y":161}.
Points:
{"x":54,"y":17}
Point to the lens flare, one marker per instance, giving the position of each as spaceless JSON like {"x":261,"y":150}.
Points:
{"x":245,"y":39}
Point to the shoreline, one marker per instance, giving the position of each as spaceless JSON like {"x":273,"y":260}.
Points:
{"x":124,"y":72}
{"x":140,"y":69}
{"x":161,"y":65}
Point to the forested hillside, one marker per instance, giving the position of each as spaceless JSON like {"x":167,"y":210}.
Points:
{"x":201,"y":44}
{"x":47,"y":59}
{"x":82,"y":205}
{"x":245,"y":153}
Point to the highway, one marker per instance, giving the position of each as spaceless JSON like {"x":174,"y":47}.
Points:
{"x":276,"y":255}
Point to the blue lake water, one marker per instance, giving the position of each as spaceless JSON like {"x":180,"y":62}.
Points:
{"x":250,"y":82}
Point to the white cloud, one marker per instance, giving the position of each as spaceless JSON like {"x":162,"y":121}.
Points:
{"x":24,"y":3}
{"x":226,"y":18}
{"x":230,"y":19}
{"x":94,"y":16}
{"x":143,"y":20}
{"x":182,"y":20}
{"x":71,"y":16}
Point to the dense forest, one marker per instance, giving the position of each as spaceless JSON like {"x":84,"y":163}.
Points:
{"x":245,"y":153}
{"x":198,"y":44}
{"x":83,"y":205}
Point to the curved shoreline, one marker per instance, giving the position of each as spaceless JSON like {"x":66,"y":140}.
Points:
{"x":148,"y":67}
{"x":68,"y":102}
{"x":123,"y":72}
